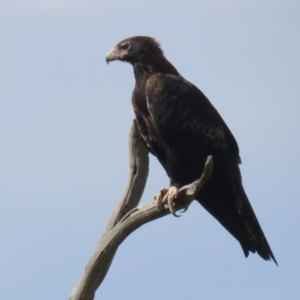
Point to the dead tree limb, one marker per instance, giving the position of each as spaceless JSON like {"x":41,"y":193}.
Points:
{"x":138,"y":173}
{"x":127,"y":217}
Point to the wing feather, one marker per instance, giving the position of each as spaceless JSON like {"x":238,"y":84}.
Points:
{"x":190,"y":129}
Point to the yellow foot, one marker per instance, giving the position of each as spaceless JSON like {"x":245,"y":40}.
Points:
{"x":159,"y":198}
{"x":168,"y":197}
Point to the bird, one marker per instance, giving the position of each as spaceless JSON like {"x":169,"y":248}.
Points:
{"x":181,"y":128}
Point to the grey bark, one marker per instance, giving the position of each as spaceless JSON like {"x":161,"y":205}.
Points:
{"x":127,"y":216}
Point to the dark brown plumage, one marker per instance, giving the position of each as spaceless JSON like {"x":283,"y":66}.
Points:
{"x":181,"y":128}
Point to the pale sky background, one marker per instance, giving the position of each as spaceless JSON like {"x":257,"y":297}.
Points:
{"x":64,"y":122}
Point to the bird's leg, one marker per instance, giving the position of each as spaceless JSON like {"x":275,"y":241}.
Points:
{"x":168,"y":196}
{"x":185,"y":194}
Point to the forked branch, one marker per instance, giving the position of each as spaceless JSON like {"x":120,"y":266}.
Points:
{"x":127,"y":217}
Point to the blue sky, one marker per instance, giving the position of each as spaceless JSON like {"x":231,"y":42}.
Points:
{"x":64,"y":122}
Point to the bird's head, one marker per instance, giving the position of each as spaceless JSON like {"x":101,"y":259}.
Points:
{"x":134,"y":49}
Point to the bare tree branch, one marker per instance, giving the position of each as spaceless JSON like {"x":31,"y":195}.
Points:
{"x":138,"y":173}
{"x":115,"y":234}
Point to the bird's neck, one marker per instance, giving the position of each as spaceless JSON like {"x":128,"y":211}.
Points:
{"x":143,"y":69}
{"x":152,"y":65}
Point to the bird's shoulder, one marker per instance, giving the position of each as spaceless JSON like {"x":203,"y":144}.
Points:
{"x":177,"y":104}
{"x":162,"y":85}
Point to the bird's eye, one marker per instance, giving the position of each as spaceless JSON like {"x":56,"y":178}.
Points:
{"x":124,"y":46}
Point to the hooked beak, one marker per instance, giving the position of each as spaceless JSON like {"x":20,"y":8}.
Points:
{"x":111,"y":55}
{"x":116,"y":54}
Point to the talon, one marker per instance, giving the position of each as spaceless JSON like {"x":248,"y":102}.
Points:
{"x":159,"y":198}
{"x":172,"y":195}
{"x":184,"y":210}
{"x":167,"y":197}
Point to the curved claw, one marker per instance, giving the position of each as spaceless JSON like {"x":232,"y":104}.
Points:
{"x":185,"y":209}
{"x":182,"y":212}
{"x":171,"y":195}
{"x":175,"y":215}
{"x":168,"y":196}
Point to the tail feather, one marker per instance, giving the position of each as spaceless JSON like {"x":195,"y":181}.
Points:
{"x":237,"y":216}
{"x":255,"y":232}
